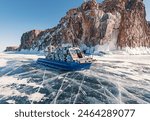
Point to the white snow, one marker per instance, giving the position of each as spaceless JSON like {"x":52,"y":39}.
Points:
{"x":11,"y":101}
{"x":8,"y":80}
{"x":137,"y":50}
{"x":104,"y":48}
{"x":111,"y":48}
{"x":8,"y":91}
{"x":36,"y":97}
{"x":3,"y":62}
{"x":67,"y":45}
{"x":18,"y":56}
{"x":142,"y":59}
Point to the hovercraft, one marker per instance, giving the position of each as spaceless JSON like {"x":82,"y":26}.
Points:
{"x":66,"y":59}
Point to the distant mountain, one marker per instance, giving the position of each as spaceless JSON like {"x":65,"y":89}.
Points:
{"x":114,"y":23}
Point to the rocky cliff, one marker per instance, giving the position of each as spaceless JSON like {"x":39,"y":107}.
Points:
{"x":11,"y":48}
{"x":28,"y":39}
{"x":113,"y":23}
{"x":134,"y":30}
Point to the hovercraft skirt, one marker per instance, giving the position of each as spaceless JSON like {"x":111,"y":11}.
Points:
{"x":61,"y":65}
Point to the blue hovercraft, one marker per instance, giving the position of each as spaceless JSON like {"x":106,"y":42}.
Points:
{"x":66,"y":59}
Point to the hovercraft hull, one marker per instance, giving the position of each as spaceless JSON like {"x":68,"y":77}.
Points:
{"x":65,"y":66}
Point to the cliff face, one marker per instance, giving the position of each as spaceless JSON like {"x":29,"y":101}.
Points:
{"x":115,"y":23}
{"x":134,"y":30}
{"x":28,"y":39}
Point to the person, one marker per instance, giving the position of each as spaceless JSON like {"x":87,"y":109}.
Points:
{"x":79,"y":54}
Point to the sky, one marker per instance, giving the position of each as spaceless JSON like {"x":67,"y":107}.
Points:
{"x":19,"y":16}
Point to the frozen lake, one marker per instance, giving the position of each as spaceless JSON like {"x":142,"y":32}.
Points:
{"x":113,"y":79}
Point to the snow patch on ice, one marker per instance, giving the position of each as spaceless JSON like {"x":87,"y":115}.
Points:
{"x":6,"y":90}
{"x":137,"y":50}
{"x":3,"y":62}
{"x":8,"y":80}
{"x":36,"y":96}
{"x":142,"y":59}
{"x":18,"y":56}
{"x":11,"y":101}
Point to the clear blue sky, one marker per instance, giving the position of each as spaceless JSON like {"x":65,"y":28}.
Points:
{"x":19,"y":16}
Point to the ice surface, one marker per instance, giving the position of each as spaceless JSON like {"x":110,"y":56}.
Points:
{"x":137,"y":50}
{"x":3,"y":62}
{"x":114,"y":78}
